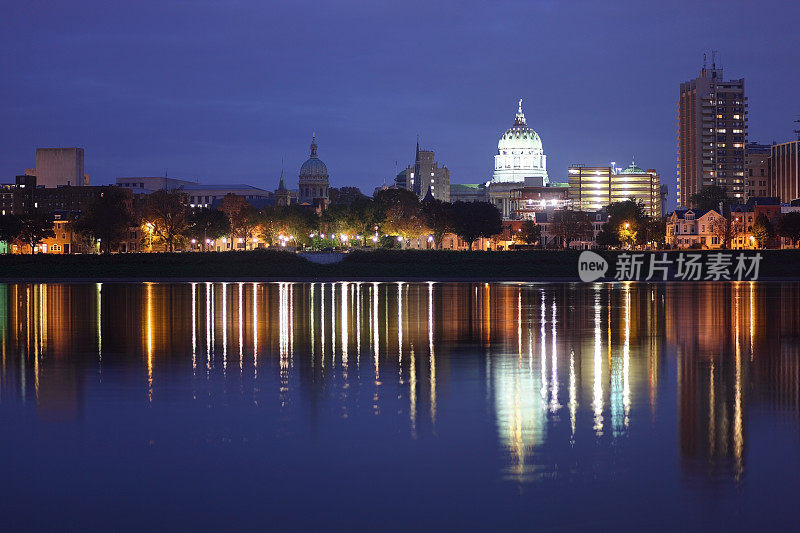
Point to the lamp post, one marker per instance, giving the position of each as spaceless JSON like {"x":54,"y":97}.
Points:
{"x":149,"y":228}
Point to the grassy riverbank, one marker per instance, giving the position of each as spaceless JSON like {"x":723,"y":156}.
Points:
{"x":381,"y":264}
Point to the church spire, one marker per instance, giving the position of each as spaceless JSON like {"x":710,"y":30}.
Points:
{"x":314,"y":144}
{"x":282,"y":182}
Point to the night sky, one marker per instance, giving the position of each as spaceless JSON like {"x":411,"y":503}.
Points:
{"x":222,"y":91}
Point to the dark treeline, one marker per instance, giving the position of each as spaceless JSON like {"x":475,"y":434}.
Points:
{"x":390,"y":219}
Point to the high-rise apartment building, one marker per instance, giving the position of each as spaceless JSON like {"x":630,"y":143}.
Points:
{"x":56,"y":167}
{"x":426,"y":175}
{"x":756,"y":164}
{"x":712,"y":133}
{"x":785,"y":171}
{"x":593,"y":188}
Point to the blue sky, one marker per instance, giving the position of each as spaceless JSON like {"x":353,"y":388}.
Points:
{"x":222,"y":91}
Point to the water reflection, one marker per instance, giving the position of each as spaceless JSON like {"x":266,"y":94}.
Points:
{"x":560,"y":364}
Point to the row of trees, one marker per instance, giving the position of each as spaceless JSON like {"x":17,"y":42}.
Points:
{"x":353,"y":216}
{"x":168,"y":222}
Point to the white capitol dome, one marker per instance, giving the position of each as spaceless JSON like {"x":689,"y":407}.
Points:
{"x":519,"y":154}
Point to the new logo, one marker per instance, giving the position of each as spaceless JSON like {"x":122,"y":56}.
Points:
{"x":591,"y":266}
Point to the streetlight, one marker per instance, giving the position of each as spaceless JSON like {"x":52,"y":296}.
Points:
{"x":149,"y":227}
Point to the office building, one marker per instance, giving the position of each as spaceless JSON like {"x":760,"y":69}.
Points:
{"x":593,"y":188}
{"x":56,"y":167}
{"x":785,"y":171}
{"x":534,"y":198}
{"x":426,"y":175}
{"x":198,"y":194}
{"x":757,"y":163}
{"x":712,"y":133}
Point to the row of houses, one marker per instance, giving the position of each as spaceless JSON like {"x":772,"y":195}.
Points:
{"x":697,"y":228}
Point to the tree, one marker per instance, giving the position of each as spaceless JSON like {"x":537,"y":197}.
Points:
{"x":656,"y":231}
{"x":710,"y":197}
{"x":402,"y":213}
{"x":626,"y":224}
{"x":530,"y":232}
{"x":34,"y":228}
{"x":10,"y":228}
{"x":721,"y":228}
{"x":789,"y":227}
{"x":205,"y":224}
{"x":439,"y":219}
{"x":294,"y":222}
{"x":571,"y":225}
{"x":107,"y":219}
{"x":336,"y":220}
{"x":345,"y":195}
{"x":472,"y":220}
{"x":243,"y":217}
{"x":167,"y":215}
{"x":365,"y":216}
{"x":762,"y":230}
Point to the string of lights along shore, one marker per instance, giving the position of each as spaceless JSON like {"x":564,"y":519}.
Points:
{"x":732,"y":192}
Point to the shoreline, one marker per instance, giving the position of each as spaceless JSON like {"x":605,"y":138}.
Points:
{"x":529,"y":266}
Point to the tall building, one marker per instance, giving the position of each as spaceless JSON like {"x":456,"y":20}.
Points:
{"x":712,"y":133}
{"x":593,"y":188}
{"x":313,"y":184}
{"x":56,"y":167}
{"x":426,"y":175}
{"x":756,"y":163}
{"x":785,"y":171}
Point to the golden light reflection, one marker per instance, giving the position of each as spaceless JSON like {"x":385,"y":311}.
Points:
{"x":611,"y":343}
{"x":343,"y":324}
{"x":255,"y":329}
{"x":194,"y":325}
{"x":99,"y":320}
{"x":149,"y":333}
{"x":432,"y":354}
{"x":597,"y":389}
{"x":240,"y":313}
{"x":224,"y":326}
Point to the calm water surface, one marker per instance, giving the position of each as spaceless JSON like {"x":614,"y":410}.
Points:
{"x":392,"y":405}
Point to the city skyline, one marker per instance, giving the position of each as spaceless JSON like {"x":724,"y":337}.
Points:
{"x":225,"y":94}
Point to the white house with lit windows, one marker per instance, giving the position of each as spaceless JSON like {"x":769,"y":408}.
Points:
{"x":695,"y":228}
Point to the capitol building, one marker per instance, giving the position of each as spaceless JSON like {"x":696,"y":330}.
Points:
{"x":520,"y":163}
{"x":519,"y":154}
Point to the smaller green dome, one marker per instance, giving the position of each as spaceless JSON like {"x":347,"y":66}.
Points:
{"x":633,"y":169}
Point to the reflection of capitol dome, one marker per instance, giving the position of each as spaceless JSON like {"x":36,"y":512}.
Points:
{"x":519,"y":153}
